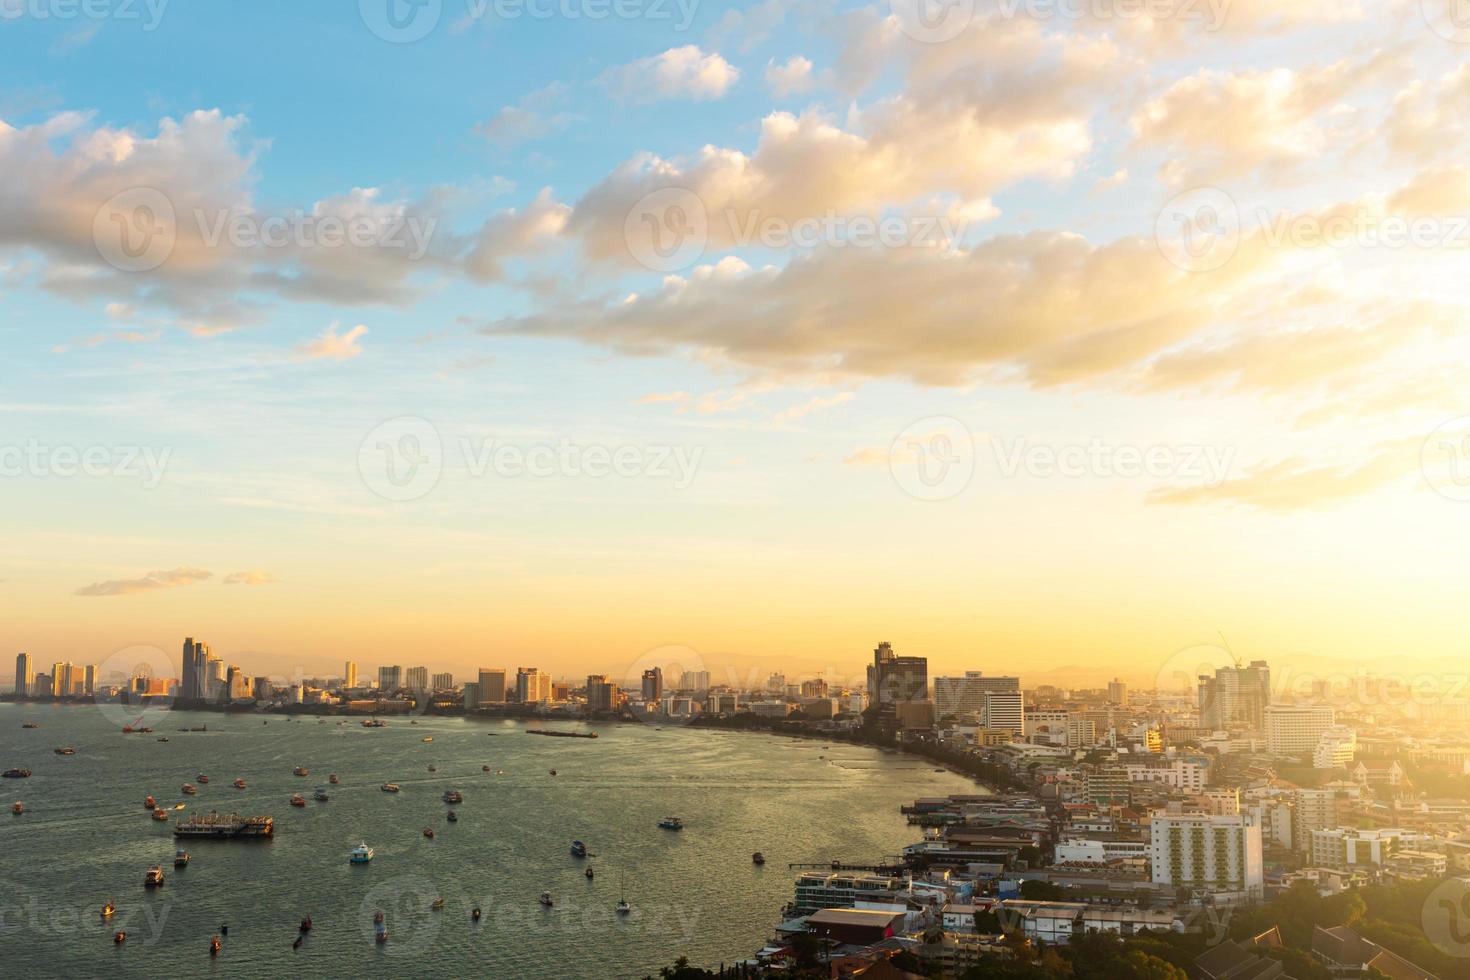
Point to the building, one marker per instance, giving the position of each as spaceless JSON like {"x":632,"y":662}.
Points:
{"x":533,"y":686}
{"x":653,"y":685}
{"x":471,"y":694}
{"x":349,"y":674}
{"x":959,"y":697}
{"x":1181,"y":774}
{"x":66,"y":679}
{"x":1048,"y":726}
{"x":390,"y":679}
{"x":1336,"y":748}
{"x":1117,"y":693}
{"x":1344,"y":848}
{"x":442,"y":682}
{"x":25,"y":675}
{"x":602,"y":695}
{"x":261,"y":689}
{"x":492,"y":685}
{"x":817,"y":890}
{"x":417,"y":679}
{"x":722,"y":703}
{"x":695,"y":680}
{"x":1235,"y":696}
{"x":1220,"y":856}
{"x":892,"y":678}
{"x":914,"y":714}
{"x":89,"y":679}
{"x":1003,"y":711}
{"x":1293,"y":729}
{"x":814,"y":688}
{"x":196,"y":670}
{"x":1106,"y":785}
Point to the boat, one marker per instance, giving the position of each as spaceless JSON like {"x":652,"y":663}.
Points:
{"x":108,"y":909}
{"x":553,"y":772}
{"x":374,"y":723}
{"x":433,"y":768}
{"x":452,"y":817}
{"x":426,"y":738}
{"x":149,"y":803}
{"x":119,"y":937}
{"x":298,"y":800}
{"x":306,"y":924}
{"x":30,"y":724}
{"x":361,"y":854}
{"x":201,"y":777}
{"x":453,"y":796}
{"x":225,"y":825}
{"x":214,"y":946}
{"x":475,"y":914}
{"x":153,"y":878}
{"x":429,"y":832}
{"x":16,"y":773}
{"x":239,"y":784}
{"x":623,"y":908}
{"x":160,"y":815}
{"x":553,"y":734}
{"x":380,"y":928}
{"x":333,"y":779}
{"x":66,"y":750}
{"x":757,"y":858}
{"x":17,"y":808}
{"x":941,"y":770}
{"x":181,"y":858}
{"x":588,"y":873}
{"x":320,"y":794}
{"x":545,"y":899}
{"x":301,"y":771}
{"x":389,"y":787}
{"x":436,"y":904}
{"x":189,"y":789}
{"x":671,"y":823}
{"x":127,"y":729}
{"x":163,"y":738}
{"x":579,"y":850}
{"x":484,"y":768}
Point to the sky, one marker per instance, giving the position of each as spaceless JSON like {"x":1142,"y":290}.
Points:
{"x":1044,"y":336}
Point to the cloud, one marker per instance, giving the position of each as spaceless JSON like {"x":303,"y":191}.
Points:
{"x":816,"y":403}
{"x":534,"y":118}
{"x":1297,"y":483}
{"x":790,"y":78}
{"x":332,"y":346}
{"x":254,"y":577}
{"x":515,"y":233}
{"x":678,"y":73}
{"x":152,"y":582}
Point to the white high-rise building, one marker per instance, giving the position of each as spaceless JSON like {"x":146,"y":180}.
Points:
{"x":1003,"y":711}
{"x":1216,"y":855}
{"x":1336,"y":748}
{"x":1235,"y":696}
{"x":695,"y":680}
{"x":961,"y":696}
{"x":417,"y":679}
{"x":1293,"y":729}
{"x":532,"y":685}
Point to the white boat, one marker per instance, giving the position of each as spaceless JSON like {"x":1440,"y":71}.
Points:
{"x":361,"y":854}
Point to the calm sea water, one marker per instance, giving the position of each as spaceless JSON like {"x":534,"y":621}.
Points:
{"x":86,"y":837}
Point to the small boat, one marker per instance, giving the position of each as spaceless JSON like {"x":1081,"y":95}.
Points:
{"x":108,"y":909}
{"x":298,"y":800}
{"x":189,"y":789}
{"x":200,"y":777}
{"x":16,"y":773}
{"x":320,"y":794}
{"x":941,"y":770}
{"x":545,"y":900}
{"x":17,"y":808}
{"x":553,"y":772}
{"x":181,"y":858}
{"x":389,"y":787}
{"x":453,"y":796}
{"x":436,"y":904}
{"x":361,"y":854}
{"x":214,"y":946}
{"x":623,"y":908}
{"x":426,"y":738}
{"x":149,"y":803}
{"x":757,"y":858}
{"x":475,"y":914}
{"x":579,"y":850}
{"x":145,"y":731}
{"x":239,"y":784}
{"x":296,"y":943}
{"x":160,"y":815}
{"x":306,"y":924}
{"x":452,"y":817}
{"x":429,"y":832}
{"x":163,"y":738}
{"x":301,"y":771}
{"x":671,"y":823}
{"x":153,"y":878}
{"x":588,"y":873}
{"x":127,"y":729}
{"x":66,"y":750}
{"x":433,"y":768}
{"x":380,"y":928}
{"x":333,"y":779}
{"x":224,"y":928}
{"x":484,"y":768}
{"x":119,"y":937}
{"x":374,"y":723}
{"x":30,"y":724}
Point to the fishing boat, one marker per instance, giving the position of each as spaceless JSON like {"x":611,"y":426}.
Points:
{"x":188,"y":789}
{"x":181,"y":858}
{"x":361,"y":854}
{"x":149,"y":803}
{"x":153,"y":878}
{"x":214,"y":946}
{"x":201,"y":777}
{"x":108,"y":909}
{"x":17,"y":808}
{"x":429,"y":832}
{"x":298,"y":800}
{"x":119,"y":937}
{"x":66,"y":750}
{"x":160,"y":815}
{"x":239,"y":784}
{"x":320,"y":794}
{"x":374,"y":723}
{"x":453,"y":796}
{"x":389,"y":787}
{"x":333,"y":779}
{"x":588,"y":873}
{"x":623,"y":908}
{"x":30,"y":724}
{"x":671,"y":823}
{"x":757,"y":858}
{"x":452,"y":817}
{"x":306,"y":924}
{"x":163,"y":738}
{"x":579,"y":850}
{"x":436,"y":904}
{"x":380,"y":927}
{"x":16,"y":773}
{"x":545,"y":900}
{"x":301,"y":771}
{"x":475,"y":914}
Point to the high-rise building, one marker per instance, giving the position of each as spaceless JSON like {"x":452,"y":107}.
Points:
{"x":417,"y":679}
{"x":25,"y":675}
{"x":390,"y":679}
{"x":1293,"y":729}
{"x":1235,"y":697}
{"x":1117,"y":692}
{"x":492,"y":685}
{"x":532,"y":685}
{"x":1218,"y":855}
{"x":349,"y":674}
{"x":261,"y":689}
{"x":653,"y":685}
{"x":1003,"y":712}
{"x":442,"y":682}
{"x":66,"y":679}
{"x":42,"y":686}
{"x":962,"y":696}
{"x":695,"y":680}
{"x":892,"y":678}
{"x":601,"y":694}
{"x":89,"y":679}
{"x":1335,"y":749}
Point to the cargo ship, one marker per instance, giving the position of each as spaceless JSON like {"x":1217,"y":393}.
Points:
{"x":555,"y":734}
{"x":225,"y":825}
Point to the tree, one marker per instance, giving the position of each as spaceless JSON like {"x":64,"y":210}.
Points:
{"x":1037,"y":890}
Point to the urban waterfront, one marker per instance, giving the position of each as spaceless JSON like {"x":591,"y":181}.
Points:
{"x":86,"y":837}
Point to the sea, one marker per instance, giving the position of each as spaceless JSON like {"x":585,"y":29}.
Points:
{"x":85,"y":837}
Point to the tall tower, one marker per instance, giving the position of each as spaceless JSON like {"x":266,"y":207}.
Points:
{"x":349,"y":674}
{"x":25,"y":675}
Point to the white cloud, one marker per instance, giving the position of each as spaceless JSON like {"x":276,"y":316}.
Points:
{"x":332,"y":346}
{"x":678,"y":73}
